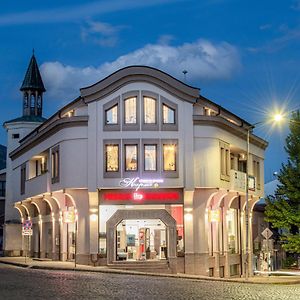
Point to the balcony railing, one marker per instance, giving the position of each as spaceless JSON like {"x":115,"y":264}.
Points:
{"x":238,"y":181}
{"x":37,"y":185}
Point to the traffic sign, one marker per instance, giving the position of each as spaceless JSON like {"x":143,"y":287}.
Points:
{"x":267,"y":233}
{"x":27,"y":224}
{"x":26,"y":231}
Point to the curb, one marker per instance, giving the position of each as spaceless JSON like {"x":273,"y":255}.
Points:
{"x":127,"y":272}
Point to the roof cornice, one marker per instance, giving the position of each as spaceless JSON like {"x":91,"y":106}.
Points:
{"x":139,"y":73}
{"x":222,"y":123}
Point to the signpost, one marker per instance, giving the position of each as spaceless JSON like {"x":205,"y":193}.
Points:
{"x":267,"y":233}
{"x":27,"y":231}
{"x":69,"y":216}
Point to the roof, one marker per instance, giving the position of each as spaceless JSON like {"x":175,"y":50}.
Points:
{"x":33,"y":79}
{"x":35,"y":119}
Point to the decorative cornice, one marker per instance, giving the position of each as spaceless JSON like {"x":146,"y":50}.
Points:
{"x":45,"y":132}
{"x":222,"y":123}
{"x":136,"y":74}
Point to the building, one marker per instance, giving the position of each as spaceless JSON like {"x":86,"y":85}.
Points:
{"x":140,"y":167}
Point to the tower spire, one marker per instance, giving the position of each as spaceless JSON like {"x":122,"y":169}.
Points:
{"x":33,"y":89}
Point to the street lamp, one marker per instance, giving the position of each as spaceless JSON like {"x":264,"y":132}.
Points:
{"x":276,"y":118}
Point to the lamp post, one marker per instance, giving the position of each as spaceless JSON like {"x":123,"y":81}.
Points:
{"x":276,"y":118}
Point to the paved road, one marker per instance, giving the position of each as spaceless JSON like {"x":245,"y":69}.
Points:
{"x":18,"y":283}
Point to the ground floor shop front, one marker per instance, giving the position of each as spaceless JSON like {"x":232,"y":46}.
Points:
{"x":194,"y":232}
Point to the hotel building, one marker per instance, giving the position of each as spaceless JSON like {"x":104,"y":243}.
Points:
{"x":140,"y":168}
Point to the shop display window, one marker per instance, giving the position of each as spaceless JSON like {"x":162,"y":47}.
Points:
{"x":130,"y":111}
{"x":131,"y":162}
{"x":112,"y":158}
{"x":231,"y":219}
{"x":169,"y":157}
{"x":149,"y":110}
{"x":150,"y":157}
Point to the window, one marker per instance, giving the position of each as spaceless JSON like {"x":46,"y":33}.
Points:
{"x":150,"y":157}
{"x":149,"y":110}
{"x":168,"y":115}
{"x":256,"y":171}
{"x":130,"y":110}
{"x":55,"y":165}
{"x":131,"y":163}
{"x":112,"y":158}
{"x":2,"y":188}
{"x":169,"y":157}
{"x":15,"y":136}
{"x":23,"y":178}
{"x":232,"y":232}
{"x":111,"y":115}
{"x":225,"y":161}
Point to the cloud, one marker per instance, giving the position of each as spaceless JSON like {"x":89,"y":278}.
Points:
{"x":265,"y":27}
{"x":288,"y":35}
{"x":75,"y":13}
{"x":202,"y":59}
{"x":100,"y":33}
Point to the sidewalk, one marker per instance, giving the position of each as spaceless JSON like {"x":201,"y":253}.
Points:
{"x":283,"y":277}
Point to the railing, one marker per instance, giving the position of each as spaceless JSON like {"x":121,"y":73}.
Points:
{"x":37,"y":185}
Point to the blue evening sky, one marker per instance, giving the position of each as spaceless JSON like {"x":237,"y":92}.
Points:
{"x":244,"y":55}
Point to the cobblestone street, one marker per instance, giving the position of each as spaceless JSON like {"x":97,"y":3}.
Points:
{"x":18,"y":283}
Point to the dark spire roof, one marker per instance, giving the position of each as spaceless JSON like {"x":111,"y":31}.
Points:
{"x":33,"y":79}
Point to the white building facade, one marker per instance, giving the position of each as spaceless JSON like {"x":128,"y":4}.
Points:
{"x":140,"y":167}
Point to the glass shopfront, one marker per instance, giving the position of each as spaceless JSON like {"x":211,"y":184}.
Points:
{"x":141,"y":240}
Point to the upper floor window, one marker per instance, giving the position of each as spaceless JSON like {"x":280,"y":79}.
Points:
{"x":131,"y":162}
{"x":2,"y":188}
{"x":15,"y":135}
{"x":23,"y":179}
{"x":130,"y":110}
{"x":149,"y":110}
{"x":169,"y":157}
{"x":111,"y":115}
{"x":112,"y":157}
{"x":168,"y":115}
{"x":55,"y":165}
{"x":150,"y":154}
{"x":225,"y":161}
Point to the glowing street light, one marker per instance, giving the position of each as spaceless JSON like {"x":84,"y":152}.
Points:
{"x":276,"y":119}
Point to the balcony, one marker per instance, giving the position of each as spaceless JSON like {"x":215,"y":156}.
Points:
{"x":238,"y":181}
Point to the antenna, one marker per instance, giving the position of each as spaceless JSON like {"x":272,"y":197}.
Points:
{"x":184,"y":75}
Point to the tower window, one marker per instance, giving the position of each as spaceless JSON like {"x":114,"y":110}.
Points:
{"x":15,"y":135}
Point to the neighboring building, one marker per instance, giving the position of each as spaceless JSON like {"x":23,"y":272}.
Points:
{"x":139,"y":167}
{"x":2,"y":191}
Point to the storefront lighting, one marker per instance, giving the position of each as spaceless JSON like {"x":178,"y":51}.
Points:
{"x":93,"y":217}
{"x":188,"y":209}
{"x":214,"y":215}
{"x":188,"y":217}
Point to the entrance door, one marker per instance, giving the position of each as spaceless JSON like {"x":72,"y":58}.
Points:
{"x":139,"y":240}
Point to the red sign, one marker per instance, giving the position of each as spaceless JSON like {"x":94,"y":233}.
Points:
{"x":142,"y":196}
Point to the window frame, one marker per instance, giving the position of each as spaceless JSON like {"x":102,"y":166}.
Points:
{"x":131,"y":142}
{"x":109,"y":105}
{"x":170,"y":173}
{"x":23,"y":179}
{"x":150,"y":126}
{"x":112,"y":174}
{"x":224,"y":161}
{"x":174,"y":106}
{"x":129,"y":126}
{"x":55,"y":164}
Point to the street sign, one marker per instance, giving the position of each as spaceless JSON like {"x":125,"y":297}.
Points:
{"x":267,"y":233}
{"x":27,"y":224}
{"x":26,"y":231}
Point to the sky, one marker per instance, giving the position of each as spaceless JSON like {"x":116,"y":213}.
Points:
{"x":243,"y":55}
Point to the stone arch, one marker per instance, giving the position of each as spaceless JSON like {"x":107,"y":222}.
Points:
{"x":122,"y":214}
{"x":21,"y":210}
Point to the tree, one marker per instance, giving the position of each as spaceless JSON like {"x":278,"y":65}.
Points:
{"x":283,"y":209}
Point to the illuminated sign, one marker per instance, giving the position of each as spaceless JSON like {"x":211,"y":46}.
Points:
{"x":140,"y":183}
{"x":142,"y":196}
